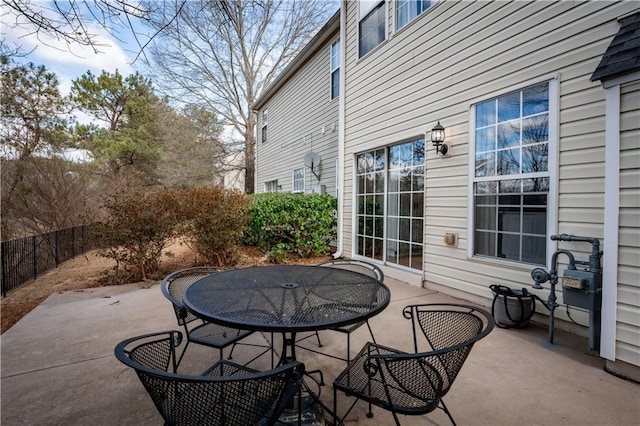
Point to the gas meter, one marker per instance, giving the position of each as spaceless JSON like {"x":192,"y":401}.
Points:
{"x":581,"y":286}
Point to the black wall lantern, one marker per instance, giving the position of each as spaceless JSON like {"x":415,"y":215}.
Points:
{"x":437,"y":137}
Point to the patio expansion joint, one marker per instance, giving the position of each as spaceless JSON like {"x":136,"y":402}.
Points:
{"x":51,"y":367}
{"x":413,"y":297}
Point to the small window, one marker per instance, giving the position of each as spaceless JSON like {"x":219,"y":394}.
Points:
{"x":372,"y":28}
{"x":335,"y":69}
{"x":264,"y":125}
{"x":407,"y":10}
{"x":271,"y":186}
{"x":298,"y":180}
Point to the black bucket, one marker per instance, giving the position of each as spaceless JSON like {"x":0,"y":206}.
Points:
{"x":512,"y":308}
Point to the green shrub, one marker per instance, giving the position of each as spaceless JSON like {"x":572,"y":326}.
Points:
{"x":213,"y":223}
{"x":136,"y":228}
{"x":284,"y":223}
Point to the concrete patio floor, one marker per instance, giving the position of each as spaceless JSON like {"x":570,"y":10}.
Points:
{"x":58,"y":368}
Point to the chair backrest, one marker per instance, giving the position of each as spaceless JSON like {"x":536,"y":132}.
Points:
{"x":450,"y":331}
{"x":356,"y":265}
{"x":175,"y":284}
{"x":226,"y":394}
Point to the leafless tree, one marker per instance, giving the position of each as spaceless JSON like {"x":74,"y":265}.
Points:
{"x":52,"y":194}
{"x":221,"y":55}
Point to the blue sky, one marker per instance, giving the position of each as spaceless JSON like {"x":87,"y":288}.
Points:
{"x":70,"y":62}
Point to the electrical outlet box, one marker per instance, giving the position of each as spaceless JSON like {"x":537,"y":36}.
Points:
{"x":451,"y":239}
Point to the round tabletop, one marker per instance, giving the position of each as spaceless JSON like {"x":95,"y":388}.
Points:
{"x":287,"y":298}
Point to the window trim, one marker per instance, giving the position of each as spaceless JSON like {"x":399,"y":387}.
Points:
{"x":386,"y":27}
{"x":552,"y":165}
{"x":411,"y":272}
{"x":293,"y":181}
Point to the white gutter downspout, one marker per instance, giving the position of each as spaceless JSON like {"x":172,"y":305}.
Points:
{"x":341,"y":132}
{"x":611,"y":222}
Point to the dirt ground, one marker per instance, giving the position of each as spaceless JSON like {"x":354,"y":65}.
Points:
{"x":85,"y":271}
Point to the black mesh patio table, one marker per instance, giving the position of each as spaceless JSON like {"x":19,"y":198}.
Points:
{"x":287,"y":299}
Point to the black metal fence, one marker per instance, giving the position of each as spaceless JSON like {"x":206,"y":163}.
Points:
{"x":23,"y":259}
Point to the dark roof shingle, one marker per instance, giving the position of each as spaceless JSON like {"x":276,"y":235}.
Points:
{"x":623,"y":54}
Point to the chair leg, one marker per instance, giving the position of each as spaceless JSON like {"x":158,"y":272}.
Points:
{"x":335,"y":406}
{"x":319,"y":373}
{"x":318,"y":337}
{"x":446,"y":410}
{"x":182,"y":354}
{"x":272,"y":352}
{"x":230,"y":353}
{"x":371,"y":332}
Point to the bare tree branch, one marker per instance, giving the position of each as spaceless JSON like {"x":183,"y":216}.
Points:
{"x":222,"y":54}
{"x":69,"y":20}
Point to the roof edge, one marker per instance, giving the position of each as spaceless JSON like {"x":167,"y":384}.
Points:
{"x":324,"y":34}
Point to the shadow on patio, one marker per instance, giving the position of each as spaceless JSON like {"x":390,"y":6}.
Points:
{"x":58,"y":367}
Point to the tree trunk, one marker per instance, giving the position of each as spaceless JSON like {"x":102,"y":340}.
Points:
{"x":250,"y":157}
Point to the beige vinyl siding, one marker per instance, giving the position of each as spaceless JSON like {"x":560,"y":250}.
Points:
{"x":628,"y":317}
{"x":298,"y":113}
{"x":457,"y":54}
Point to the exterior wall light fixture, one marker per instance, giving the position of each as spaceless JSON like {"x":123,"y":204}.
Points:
{"x":437,"y":137}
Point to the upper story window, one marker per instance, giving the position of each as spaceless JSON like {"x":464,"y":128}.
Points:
{"x":511,"y":182}
{"x":298,"y":180}
{"x":372,"y":27}
{"x":271,"y":186}
{"x":407,"y":10}
{"x":335,"y":69}
{"x":264,"y":125}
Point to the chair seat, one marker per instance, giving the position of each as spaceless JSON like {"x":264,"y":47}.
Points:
{"x":225,"y":394}
{"x":395,"y":386}
{"x":414,"y":383}
{"x":224,"y":368}
{"x":215,"y":335}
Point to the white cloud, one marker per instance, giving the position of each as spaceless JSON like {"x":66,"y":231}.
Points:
{"x":68,"y":62}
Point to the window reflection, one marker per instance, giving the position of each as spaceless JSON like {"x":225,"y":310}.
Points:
{"x":535,"y":129}
{"x":509,"y":107}
{"x":485,"y":164}
{"x":509,"y":134}
{"x":485,"y":114}
{"x":535,"y":158}
{"x":508,"y":162}
{"x":536,"y":99}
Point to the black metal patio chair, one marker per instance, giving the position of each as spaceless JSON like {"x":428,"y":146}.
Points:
{"x":414,"y":383}
{"x":196,"y":330}
{"x":225,"y":394}
{"x":354,"y":265}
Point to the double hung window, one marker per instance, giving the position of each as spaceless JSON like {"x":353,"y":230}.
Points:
{"x":298,"y":180}
{"x":264,"y":125}
{"x":335,"y":69}
{"x":511,"y":182}
{"x":372,"y":25}
{"x":390,"y":204}
{"x":271,"y":186}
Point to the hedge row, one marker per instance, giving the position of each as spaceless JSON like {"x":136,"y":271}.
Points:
{"x":215,"y":223}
